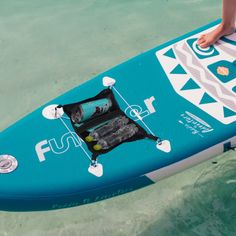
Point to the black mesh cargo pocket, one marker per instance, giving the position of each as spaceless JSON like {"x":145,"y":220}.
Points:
{"x":85,"y":122}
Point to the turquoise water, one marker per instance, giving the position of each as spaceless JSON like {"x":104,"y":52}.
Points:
{"x":46,"y":48}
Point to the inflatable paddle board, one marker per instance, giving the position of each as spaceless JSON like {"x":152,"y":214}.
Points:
{"x":159,"y":113}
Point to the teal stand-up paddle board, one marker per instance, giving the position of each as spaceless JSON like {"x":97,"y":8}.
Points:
{"x":159,"y":113}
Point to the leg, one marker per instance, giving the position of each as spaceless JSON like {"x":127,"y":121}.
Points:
{"x":226,"y":27}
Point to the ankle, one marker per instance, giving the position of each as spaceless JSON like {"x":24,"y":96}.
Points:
{"x":227,"y":26}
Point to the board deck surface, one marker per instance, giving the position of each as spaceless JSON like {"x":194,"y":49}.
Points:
{"x":182,"y":93}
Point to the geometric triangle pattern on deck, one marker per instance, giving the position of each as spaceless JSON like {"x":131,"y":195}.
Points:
{"x":178,"y":70}
{"x":228,"y":112}
{"x":191,"y":84}
{"x":170,"y":53}
{"x":188,"y":85}
{"x":207,"y":99}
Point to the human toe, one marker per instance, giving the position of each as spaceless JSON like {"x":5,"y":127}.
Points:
{"x":205,"y":44}
{"x":201,"y":40}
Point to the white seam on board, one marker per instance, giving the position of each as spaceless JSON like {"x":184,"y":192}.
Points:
{"x":176,"y":167}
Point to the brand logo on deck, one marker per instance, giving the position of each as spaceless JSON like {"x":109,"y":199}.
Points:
{"x":60,"y":145}
{"x":194,"y":124}
{"x":57,"y":145}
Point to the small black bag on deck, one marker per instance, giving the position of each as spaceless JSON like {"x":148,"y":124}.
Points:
{"x":99,"y":115}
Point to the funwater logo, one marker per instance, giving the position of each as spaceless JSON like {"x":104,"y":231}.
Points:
{"x":133,"y":110}
{"x":57,"y":146}
{"x":60,"y":145}
{"x":194,"y":124}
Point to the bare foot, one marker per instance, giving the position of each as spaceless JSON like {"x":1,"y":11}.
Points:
{"x":209,"y":39}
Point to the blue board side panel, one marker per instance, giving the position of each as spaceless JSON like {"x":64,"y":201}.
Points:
{"x":76,"y":199}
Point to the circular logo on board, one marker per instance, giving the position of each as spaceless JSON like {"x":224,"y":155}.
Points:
{"x":8,"y":164}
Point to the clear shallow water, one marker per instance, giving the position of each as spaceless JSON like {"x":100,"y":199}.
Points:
{"x":48,"y":47}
